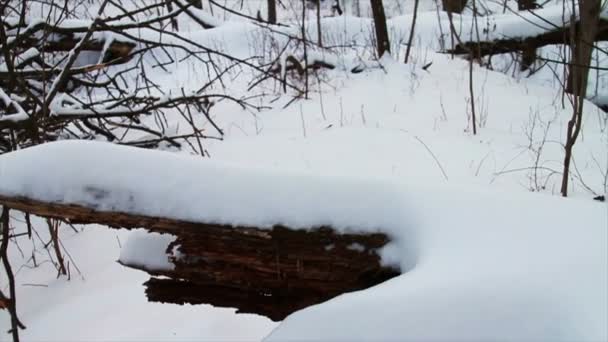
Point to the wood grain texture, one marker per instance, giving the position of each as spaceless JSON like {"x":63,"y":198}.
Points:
{"x":269,"y":271}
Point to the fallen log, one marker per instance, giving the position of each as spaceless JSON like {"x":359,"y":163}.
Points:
{"x":269,"y":271}
{"x":116,"y":49}
{"x":514,"y":44}
{"x":66,"y":39}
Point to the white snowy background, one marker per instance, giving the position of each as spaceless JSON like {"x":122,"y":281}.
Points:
{"x":490,"y":249}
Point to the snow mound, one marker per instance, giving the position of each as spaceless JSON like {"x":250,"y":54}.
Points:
{"x":508,"y":267}
{"x":109,"y":177}
{"x":477,"y":266}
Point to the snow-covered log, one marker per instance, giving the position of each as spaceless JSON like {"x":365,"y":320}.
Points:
{"x":114,"y":49}
{"x":272,"y":272}
{"x":64,"y":37}
{"x":254,"y":245}
{"x":513,"y":43}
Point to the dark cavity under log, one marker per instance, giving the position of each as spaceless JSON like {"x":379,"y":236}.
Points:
{"x":272,"y":272}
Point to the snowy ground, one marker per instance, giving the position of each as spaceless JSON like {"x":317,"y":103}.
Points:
{"x":487,"y":258}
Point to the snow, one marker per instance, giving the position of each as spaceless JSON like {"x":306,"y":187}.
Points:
{"x":108,"y":302}
{"x":20,"y":114}
{"x":204,"y":17}
{"x":109,"y":177}
{"x":147,"y":250}
{"x":490,"y":266}
{"x":518,"y":266}
{"x":389,"y":149}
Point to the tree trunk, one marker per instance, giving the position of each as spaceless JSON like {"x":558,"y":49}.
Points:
{"x":336,"y":8}
{"x":305,"y":44}
{"x":272,"y":11}
{"x":174,"y":25}
{"x":584,"y":34}
{"x":454,"y":6}
{"x":382,"y":41}
{"x":582,"y":38}
{"x":9,"y":302}
{"x":528,"y":55}
{"x":197,"y":3}
{"x":319,"y":33}
{"x":412,"y":30}
{"x":524,"y":5}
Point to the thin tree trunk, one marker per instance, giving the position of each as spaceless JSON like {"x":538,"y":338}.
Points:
{"x":319,"y":35}
{"x":169,"y":5}
{"x":54,"y":232}
{"x":582,"y":37}
{"x":528,"y":55}
{"x":472,"y":95}
{"x":412,"y":29}
{"x":336,"y":8}
{"x":272,"y":11}
{"x":382,"y":41}
{"x":305,"y":49}
{"x":12,"y":301}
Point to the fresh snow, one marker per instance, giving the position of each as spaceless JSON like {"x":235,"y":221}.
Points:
{"x":109,"y":177}
{"x":147,"y":250}
{"x":518,"y":266}
{"x":489,"y":267}
{"x":389,"y":149}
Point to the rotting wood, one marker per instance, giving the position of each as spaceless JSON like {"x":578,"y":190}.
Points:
{"x":271,"y":272}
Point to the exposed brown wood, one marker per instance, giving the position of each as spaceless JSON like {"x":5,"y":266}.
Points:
{"x":453,"y":6}
{"x":272,"y":272}
{"x":523,"y":5}
{"x":115,"y":50}
{"x":528,"y":57}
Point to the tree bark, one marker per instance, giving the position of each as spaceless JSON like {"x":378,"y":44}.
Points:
{"x":454,"y":6}
{"x":528,"y":54}
{"x":382,"y":40}
{"x":524,"y":5}
{"x":528,"y":57}
{"x":584,"y":34}
{"x":582,"y":37}
{"x":319,"y":33}
{"x":515,"y":44}
{"x":412,"y":30}
{"x":12,"y":301}
{"x":197,"y":3}
{"x":272,"y":11}
{"x":270,"y":271}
